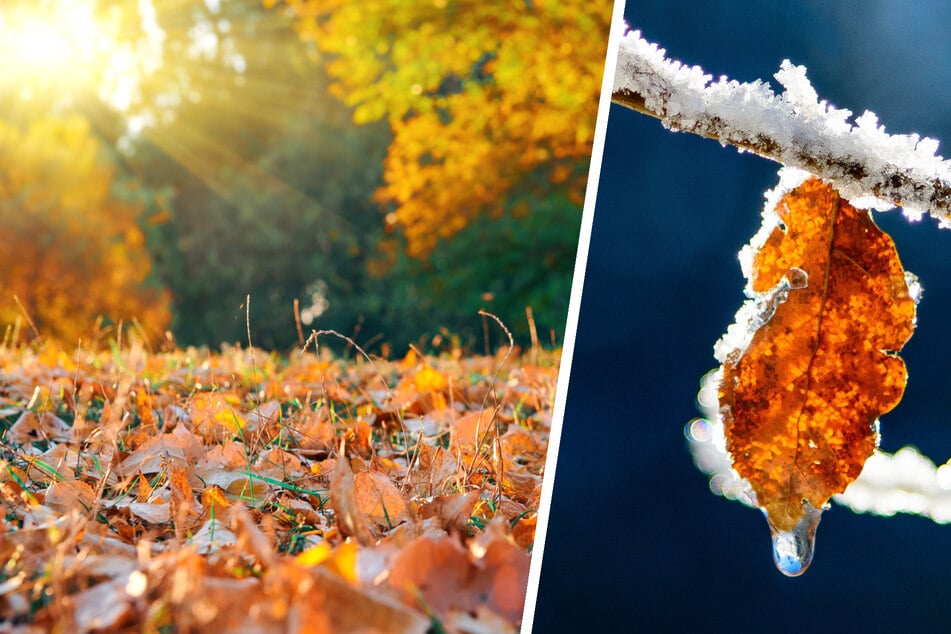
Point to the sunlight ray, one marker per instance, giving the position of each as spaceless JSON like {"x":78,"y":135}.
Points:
{"x":208,"y":159}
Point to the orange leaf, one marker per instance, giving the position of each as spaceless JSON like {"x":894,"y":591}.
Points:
{"x":379,"y":499}
{"x":215,"y":414}
{"x":438,"y":571}
{"x":145,"y":489}
{"x":801,"y":401}
{"x":443,"y":577}
{"x":212,"y":497}
{"x":352,"y":520}
{"x":524,"y":531}
{"x":315,"y":555}
{"x":472,"y":431}
{"x":74,"y":494}
{"x":429,"y":380}
{"x":504,"y":578}
{"x":452,"y":511}
{"x":183,"y":499}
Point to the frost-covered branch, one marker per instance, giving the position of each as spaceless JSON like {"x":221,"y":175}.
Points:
{"x":793,"y":128}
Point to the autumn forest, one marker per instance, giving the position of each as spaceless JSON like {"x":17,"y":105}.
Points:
{"x":392,"y":171}
{"x":282,"y":295}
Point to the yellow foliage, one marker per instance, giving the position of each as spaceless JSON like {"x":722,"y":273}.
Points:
{"x":478,"y":95}
{"x":428,"y":380}
{"x":73,"y":252}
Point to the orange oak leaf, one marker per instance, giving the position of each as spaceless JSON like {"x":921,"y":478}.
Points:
{"x":800,"y":402}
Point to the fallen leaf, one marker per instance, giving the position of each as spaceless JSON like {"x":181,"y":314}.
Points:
{"x":436,"y":570}
{"x":214,"y":501}
{"x":348,"y":609}
{"x":472,"y":430}
{"x":452,"y":511}
{"x":215,"y":415}
{"x":73,"y":494}
{"x":154,"y":513}
{"x":104,"y":606}
{"x":379,"y":499}
{"x":31,"y":427}
{"x":212,"y":536}
{"x":352,"y":520}
{"x":444,"y":577}
{"x":180,"y":445}
{"x":524,"y":531}
{"x":502,"y":579}
{"x":183,"y":503}
{"x":251,"y":539}
{"x":517,"y":442}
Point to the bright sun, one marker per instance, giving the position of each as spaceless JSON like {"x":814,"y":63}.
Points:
{"x":54,"y":46}
{"x":130,"y":66}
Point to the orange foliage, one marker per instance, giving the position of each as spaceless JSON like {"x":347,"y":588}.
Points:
{"x":73,"y":251}
{"x":169,"y":491}
{"x":478,"y":95}
{"x":800,"y":403}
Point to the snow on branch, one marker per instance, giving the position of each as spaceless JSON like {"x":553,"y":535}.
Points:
{"x":866,"y":165}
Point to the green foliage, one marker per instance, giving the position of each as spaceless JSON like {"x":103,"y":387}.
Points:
{"x":524,"y":258}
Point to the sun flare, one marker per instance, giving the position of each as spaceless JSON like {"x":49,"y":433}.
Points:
{"x":57,"y":46}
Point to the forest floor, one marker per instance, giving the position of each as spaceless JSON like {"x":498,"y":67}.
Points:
{"x":243,"y":490}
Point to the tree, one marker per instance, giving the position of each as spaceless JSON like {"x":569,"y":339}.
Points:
{"x":478,"y":96}
{"x":73,"y":249}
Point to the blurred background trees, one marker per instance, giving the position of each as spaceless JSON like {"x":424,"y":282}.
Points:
{"x":392,"y":168}
{"x":72,"y":252}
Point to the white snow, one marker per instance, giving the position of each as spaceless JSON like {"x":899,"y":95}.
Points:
{"x":903,"y":482}
{"x":861,"y":160}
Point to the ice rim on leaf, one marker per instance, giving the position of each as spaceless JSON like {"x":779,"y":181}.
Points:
{"x":770,"y":445}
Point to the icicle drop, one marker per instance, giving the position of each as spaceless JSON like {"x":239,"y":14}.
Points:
{"x":792,"y":549}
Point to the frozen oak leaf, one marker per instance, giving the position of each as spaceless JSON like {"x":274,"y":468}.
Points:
{"x":812,"y":361}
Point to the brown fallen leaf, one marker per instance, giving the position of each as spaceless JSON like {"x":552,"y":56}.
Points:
{"x":524,"y":531}
{"x":251,"y":539}
{"x":152,"y":512}
{"x":73,"y":494}
{"x":30,"y":427}
{"x":452,"y":511}
{"x":472,"y":431}
{"x":106,"y":606}
{"x":343,"y":608}
{"x":444,"y":577}
{"x":184,"y":506}
{"x":379,"y":499}
{"x":437,"y":571}
{"x":352,"y":520}
{"x":503,"y":578}
{"x":180,"y":444}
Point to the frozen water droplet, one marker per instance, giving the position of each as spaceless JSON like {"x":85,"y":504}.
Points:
{"x":792,"y":550}
{"x":797,"y":278}
{"x":915,"y":290}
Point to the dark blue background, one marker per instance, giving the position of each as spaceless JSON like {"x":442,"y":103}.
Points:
{"x":636,"y":541}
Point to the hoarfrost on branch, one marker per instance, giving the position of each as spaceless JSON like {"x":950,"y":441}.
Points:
{"x":869,"y":167}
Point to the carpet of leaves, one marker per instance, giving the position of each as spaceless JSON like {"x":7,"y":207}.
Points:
{"x":241,"y":490}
